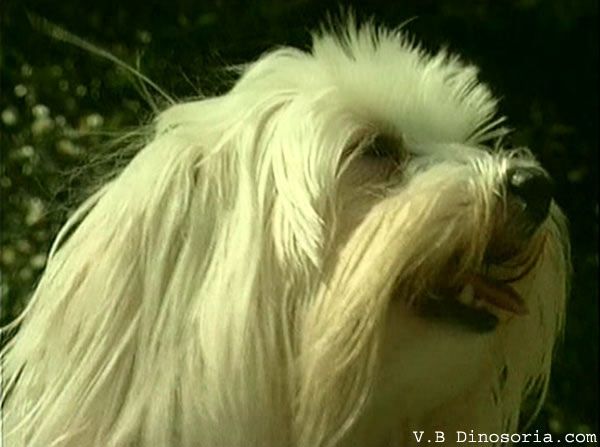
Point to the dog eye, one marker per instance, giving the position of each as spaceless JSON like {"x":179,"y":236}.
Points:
{"x":384,"y":147}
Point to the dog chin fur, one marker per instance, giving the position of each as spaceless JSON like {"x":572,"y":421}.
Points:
{"x":253,"y":276}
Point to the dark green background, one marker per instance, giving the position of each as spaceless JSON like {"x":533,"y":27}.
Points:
{"x":60,"y":104}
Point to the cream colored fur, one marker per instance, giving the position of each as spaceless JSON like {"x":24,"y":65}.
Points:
{"x":250,"y":278}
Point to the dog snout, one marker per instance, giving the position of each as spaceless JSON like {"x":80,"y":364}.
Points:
{"x":533,"y":188}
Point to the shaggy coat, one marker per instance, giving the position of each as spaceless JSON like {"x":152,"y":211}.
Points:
{"x":258,"y":274}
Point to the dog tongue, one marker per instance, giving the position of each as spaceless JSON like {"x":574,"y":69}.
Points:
{"x":498,"y":294}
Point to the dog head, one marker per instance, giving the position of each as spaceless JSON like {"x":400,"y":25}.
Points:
{"x":335,"y":252}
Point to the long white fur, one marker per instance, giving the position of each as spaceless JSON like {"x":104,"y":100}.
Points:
{"x":246,"y":281}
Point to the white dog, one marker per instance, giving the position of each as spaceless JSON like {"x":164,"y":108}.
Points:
{"x":327,"y":255}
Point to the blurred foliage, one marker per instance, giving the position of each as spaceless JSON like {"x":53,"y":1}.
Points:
{"x":60,"y":106}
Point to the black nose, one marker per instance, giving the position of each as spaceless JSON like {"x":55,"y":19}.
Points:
{"x":534,"y":188}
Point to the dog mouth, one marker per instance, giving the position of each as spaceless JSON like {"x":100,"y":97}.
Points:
{"x":481,"y":298}
{"x":478,"y":304}
{"x":493,"y":294}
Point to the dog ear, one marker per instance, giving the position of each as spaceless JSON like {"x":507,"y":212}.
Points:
{"x":160,"y":284}
{"x":114,"y":302}
{"x":139,"y":294}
